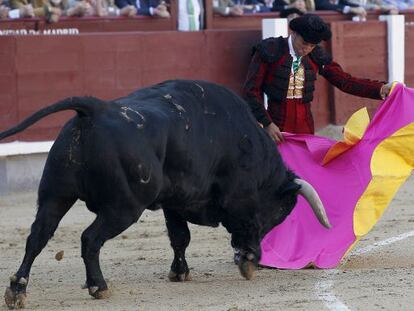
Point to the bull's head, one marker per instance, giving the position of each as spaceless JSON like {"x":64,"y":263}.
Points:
{"x":284,"y":200}
{"x":274,"y":207}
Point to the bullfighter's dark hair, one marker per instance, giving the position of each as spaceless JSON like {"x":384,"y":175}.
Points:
{"x":311,"y":27}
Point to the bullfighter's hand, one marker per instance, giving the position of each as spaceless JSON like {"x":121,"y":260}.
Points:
{"x":275,"y":133}
{"x":386,"y":89}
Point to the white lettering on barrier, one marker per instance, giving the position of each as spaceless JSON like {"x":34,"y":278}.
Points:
{"x":45,"y":32}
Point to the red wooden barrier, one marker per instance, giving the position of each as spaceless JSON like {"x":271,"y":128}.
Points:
{"x":409,"y":54}
{"x":8,"y":85}
{"x":361,"y":49}
{"x":44,"y":69}
{"x":39,"y":70}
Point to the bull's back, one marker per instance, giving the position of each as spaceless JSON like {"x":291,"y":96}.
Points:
{"x":188,"y":135}
{"x":195,"y":106}
{"x":192,"y":95}
{"x":207,"y":135}
{"x":198,"y":120}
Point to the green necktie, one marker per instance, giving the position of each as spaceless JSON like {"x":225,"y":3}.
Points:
{"x":190,"y":11}
{"x":296,"y":64}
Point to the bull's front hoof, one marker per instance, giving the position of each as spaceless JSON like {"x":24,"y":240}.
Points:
{"x":177,"y":277}
{"x":97,"y":293}
{"x":247,"y":268}
{"x":13,"y":300}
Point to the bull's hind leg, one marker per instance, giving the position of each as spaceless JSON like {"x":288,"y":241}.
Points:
{"x":179,"y":238}
{"x":102,"y":229}
{"x":48,"y":216}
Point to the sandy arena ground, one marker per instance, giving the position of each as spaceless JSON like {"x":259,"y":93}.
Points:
{"x":137,"y":262}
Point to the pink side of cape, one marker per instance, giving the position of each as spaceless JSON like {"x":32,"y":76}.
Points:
{"x":301,"y":240}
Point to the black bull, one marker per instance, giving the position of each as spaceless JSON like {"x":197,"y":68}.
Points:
{"x":191,"y":148}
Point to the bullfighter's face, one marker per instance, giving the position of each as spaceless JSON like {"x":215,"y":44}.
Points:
{"x":300,"y":46}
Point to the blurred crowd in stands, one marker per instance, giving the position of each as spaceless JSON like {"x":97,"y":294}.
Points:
{"x":191,"y":12}
{"x":52,"y":10}
{"x":357,"y":8}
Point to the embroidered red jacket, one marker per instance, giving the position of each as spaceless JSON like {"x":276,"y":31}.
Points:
{"x":269,"y":73}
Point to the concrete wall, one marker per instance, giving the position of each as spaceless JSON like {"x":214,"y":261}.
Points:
{"x":21,"y":172}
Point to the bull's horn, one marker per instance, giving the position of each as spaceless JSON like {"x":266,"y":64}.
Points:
{"x":310,"y":194}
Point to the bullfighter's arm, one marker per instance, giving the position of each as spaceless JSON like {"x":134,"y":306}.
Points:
{"x":252,"y":90}
{"x":349,"y":84}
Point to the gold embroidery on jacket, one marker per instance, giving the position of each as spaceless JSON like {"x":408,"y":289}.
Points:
{"x":296,"y":83}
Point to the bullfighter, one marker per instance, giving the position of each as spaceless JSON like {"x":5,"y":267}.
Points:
{"x":285,"y":69}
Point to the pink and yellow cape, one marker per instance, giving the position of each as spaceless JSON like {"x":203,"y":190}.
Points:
{"x":356,"y":180}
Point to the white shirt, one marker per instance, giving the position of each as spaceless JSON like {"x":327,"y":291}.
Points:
{"x":292,"y":51}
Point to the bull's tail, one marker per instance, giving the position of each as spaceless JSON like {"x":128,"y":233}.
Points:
{"x":84,"y":106}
